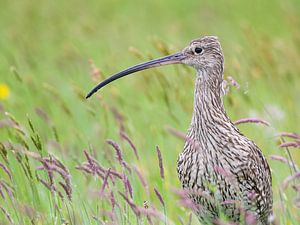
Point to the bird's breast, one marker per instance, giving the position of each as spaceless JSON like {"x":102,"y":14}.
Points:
{"x":210,"y":162}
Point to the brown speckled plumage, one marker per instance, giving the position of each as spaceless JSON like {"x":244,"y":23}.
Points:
{"x":223,"y":171}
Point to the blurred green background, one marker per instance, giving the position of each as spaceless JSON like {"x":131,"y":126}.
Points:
{"x":53,"y":52}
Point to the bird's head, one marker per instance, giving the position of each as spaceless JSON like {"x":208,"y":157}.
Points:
{"x":204,"y":54}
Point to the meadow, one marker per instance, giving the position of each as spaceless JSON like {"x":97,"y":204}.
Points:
{"x":111,"y":159}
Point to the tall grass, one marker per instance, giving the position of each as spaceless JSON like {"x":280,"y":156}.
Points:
{"x":67,"y":160}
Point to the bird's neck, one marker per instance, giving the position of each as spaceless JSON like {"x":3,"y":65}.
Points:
{"x":209,"y":114}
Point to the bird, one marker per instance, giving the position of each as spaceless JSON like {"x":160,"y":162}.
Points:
{"x":223,"y":172}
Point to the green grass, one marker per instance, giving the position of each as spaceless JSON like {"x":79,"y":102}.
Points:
{"x":45,"y":48}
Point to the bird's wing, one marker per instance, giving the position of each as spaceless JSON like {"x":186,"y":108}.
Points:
{"x":257,"y":183}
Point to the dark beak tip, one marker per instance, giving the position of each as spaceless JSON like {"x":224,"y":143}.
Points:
{"x":88,"y":95}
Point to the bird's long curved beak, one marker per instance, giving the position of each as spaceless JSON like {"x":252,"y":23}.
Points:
{"x":170,"y":59}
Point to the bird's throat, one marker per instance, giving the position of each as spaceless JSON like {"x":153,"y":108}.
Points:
{"x":208,"y":110}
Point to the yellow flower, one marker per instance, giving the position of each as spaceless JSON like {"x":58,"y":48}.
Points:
{"x":4,"y":91}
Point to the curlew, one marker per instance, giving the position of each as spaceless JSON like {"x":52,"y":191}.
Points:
{"x":223,"y":171}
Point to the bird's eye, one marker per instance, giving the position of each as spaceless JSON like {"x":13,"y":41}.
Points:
{"x":198,"y":50}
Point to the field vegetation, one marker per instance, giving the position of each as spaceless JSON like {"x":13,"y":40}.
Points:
{"x":111,"y":159}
